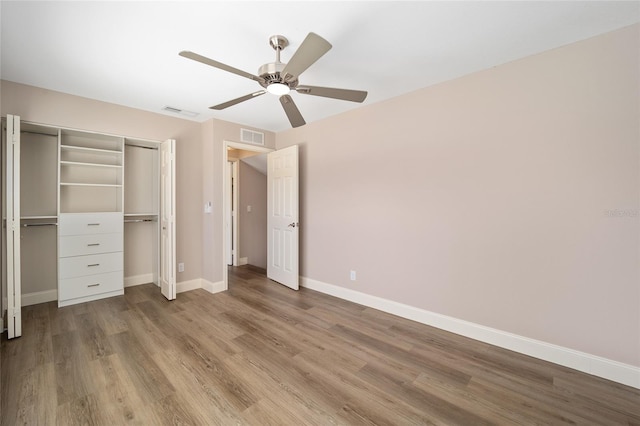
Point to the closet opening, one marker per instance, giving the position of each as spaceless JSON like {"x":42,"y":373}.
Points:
{"x":85,"y":214}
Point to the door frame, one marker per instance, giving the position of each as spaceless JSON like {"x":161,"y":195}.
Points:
{"x":232,"y":240}
{"x":225,"y":199}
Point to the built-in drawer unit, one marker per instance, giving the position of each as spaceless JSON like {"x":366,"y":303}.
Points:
{"x":78,"y":266}
{"x":91,"y":223}
{"x":90,"y":285}
{"x":79,"y":245}
{"x":90,"y":256}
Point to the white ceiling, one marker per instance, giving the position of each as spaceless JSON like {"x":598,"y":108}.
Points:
{"x":127,"y":52}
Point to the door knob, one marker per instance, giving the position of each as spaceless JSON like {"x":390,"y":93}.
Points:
{"x":294,"y":224}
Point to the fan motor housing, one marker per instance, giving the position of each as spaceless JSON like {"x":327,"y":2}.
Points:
{"x":270,"y":73}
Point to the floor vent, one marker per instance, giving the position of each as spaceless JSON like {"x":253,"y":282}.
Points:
{"x":249,"y":136}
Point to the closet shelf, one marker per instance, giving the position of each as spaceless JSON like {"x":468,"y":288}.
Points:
{"x":78,"y":163}
{"x":85,"y":149}
{"x":139,"y":214}
{"x":110,"y":185}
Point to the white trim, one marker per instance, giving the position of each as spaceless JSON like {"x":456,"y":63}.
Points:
{"x":243,"y":261}
{"x":216,"y":287}
{"x":225,"y":198}
{"x":90,"y":298}
{"x":183,"y":286}
{"x":235,"y":220}
{"x":38,"y":297}
{"x":138,"y":280}
{"x":200,"y":283}
{"x":591,"y":364}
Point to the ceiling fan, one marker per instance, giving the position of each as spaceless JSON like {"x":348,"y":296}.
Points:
{"x":280,"y":78}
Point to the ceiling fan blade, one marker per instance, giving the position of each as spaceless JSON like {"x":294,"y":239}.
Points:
{"x":290,"y":108}
{"x":219,"y":65}
{"x":238,"y":100}
{"x":311,"y":49}
{"x":330,"y":92}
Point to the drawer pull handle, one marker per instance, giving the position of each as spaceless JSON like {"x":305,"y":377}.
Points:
{"x":93,"y":264}
{"x":93,"y":224}
{"x":93,"y":285}
{"x":93,"y":245}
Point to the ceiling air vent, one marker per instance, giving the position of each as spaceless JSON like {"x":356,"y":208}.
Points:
{"x":249,"y":136}
{"x":180,"y":111}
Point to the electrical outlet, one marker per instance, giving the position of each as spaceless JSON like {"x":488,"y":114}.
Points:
{"x":353,"y":275}
{"x":181,"y":267}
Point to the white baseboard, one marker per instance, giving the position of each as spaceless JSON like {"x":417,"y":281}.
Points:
{"x":90,"y":298}
{"x":216,"y":287}
{"x":138,"y":279}
{"x":37,"y":297}
{"x":200,"y":283}
{"x":243,"y":261}
{"x":188,"y":285}
{"x":602,"y":367}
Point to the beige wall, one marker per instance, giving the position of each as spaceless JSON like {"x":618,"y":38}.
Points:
{"x":199,"y":151}
{"x":485,"y":198}
{"x":253,"y":224}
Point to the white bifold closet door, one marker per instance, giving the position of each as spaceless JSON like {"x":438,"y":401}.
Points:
{"x":168,"y":219}
{"x":12,"y":231}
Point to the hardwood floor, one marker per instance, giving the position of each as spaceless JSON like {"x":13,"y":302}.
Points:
{"x":262,"y":354}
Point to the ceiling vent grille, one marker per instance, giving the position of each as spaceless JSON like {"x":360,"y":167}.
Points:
{"x":249,"y":136}
{"x":175,"y":110}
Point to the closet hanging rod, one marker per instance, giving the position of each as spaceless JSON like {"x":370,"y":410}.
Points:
{"x":26,"y":225}
{"x":140,"y":146}
{"x":138,"y":220}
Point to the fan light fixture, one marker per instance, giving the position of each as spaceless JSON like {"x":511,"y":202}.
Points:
{"x":278,"y":89}
{"x":280,"y":79}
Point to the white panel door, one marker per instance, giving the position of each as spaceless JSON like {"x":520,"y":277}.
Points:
{"x":168,"y":219}
{"x":282,"y":216}
{"x":12,"y":192}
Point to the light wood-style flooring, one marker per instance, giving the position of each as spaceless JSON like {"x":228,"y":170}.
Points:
{"x":261,"y":354}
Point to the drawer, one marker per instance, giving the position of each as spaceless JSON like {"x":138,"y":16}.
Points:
{"x":72,"y":288}
{"x":79,"y":245}
{"x":78,"y":266}
{"x":90,"y":223}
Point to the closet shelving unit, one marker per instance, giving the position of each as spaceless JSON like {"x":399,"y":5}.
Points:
{"x":90,"y":230}
{"x":91,"y":172}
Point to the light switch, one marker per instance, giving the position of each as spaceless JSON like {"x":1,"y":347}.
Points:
{"x":248,"y":209}
{"x":208,"y":207}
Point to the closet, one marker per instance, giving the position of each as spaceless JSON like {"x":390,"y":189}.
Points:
{"x":85,"y":214}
